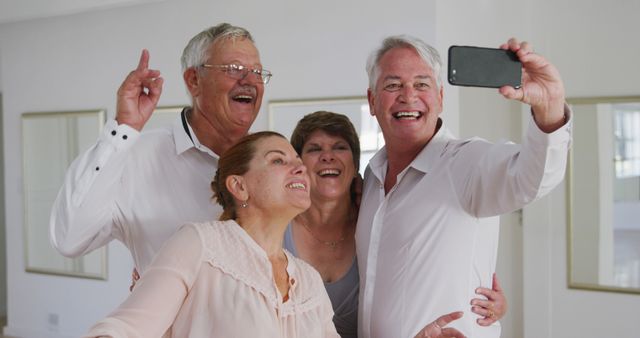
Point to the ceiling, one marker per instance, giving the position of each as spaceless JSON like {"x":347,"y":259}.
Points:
{"x":20,"y":10}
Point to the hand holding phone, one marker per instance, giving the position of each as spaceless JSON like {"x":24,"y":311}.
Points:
{"x":483,"y":67}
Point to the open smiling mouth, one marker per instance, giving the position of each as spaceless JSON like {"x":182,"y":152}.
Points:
{"x":329,"y":173}
{"x":407,"y":115}
{"x":297,"y":185}
{"x":243,"y":98}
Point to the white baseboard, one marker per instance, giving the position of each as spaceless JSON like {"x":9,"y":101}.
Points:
{"x":22,"y":332}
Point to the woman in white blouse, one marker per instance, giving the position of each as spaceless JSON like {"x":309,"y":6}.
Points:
{"x":232,"y":278}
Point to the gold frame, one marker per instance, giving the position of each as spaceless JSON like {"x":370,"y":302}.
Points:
{"x":100,"y":114}
{"x":569,"y":200}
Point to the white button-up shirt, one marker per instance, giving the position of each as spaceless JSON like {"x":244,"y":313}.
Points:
{"x":136,"y":187}
{"x":425,"y":246}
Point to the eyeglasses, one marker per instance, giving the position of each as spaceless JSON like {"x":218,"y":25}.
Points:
{"x":239,"y":72}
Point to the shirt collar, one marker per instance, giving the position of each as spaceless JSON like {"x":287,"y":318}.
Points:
{"x":429,"y":155}
{"x":185,"y":141}
{"x":423,"y":162}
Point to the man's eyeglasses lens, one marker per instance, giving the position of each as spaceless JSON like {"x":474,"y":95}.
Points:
{"x":240,"y":72}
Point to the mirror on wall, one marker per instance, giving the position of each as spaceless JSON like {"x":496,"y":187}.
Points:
{"x":51,"y":141}
{"x":604,"y":194}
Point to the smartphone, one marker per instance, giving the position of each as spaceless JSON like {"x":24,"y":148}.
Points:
{"x":483,"y":67}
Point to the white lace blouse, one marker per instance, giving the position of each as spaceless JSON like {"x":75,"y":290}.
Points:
{"x":213,"y":280}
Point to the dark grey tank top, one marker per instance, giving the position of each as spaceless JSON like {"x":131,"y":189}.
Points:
{"x":343,"y":294}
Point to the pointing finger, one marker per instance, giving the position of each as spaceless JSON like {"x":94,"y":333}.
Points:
{"x":144,"y":60}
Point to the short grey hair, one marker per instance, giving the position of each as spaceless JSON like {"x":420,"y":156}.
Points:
{"x":195,"y":53}
{"x":429,"y":54}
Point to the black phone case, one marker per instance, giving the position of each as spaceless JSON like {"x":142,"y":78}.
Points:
{"x":483,"y":67}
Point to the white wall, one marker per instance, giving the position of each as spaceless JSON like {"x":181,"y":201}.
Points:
{"x":591,"y":43}
{"x":483,"y":112}
{"x":3,"y":252}
{"x":318,"y":50}
{"x":76,"y":62}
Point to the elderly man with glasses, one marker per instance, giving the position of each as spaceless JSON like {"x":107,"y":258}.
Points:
{"x":139,"y":188}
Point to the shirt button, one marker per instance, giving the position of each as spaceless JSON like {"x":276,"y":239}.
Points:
{"x":124,"y":137}
{"x":113,"y":132}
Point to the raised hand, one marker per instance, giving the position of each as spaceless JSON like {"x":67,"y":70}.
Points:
{"x":542,"y":86}
{"x":494,"y":307}
{"x":139,"y":94}
{"x":437,"y":329}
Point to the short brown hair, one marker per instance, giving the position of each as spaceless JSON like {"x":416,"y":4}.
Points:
{"x":331,"y":123}
{"x":235,"y":161}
